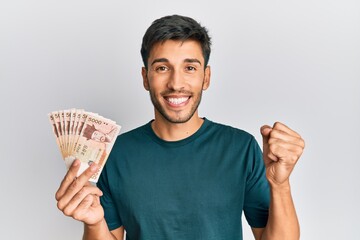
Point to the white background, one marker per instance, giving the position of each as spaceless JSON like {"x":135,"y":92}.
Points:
{"x":292,"y":61}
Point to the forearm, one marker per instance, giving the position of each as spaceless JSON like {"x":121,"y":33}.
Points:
{"x":282,"y":222}
{"x":98,"y":231}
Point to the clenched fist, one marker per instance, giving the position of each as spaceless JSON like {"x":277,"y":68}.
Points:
{"x":282,"y":148}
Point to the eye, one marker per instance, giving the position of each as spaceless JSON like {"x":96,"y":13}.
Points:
{"x":190,"y":69}
{"x":161,"y":69}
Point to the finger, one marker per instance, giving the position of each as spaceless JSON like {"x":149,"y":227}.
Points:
{"x":285,"y":151}
{"x":284,"y":128}
{"x":83,"y":207}
{"x":272,"y":157}
{"x":79,"y":197}
{"x":76,"y":185}
{"x":96,"y":201}
{"x":286,"y":145}
{"x":68,"y":179}
{"x":284,"y":136}
{"x":265,"y":131}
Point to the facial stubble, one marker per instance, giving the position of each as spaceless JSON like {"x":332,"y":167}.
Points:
{"x":179,"y":119}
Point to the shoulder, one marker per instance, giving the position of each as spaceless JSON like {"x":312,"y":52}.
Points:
{"x":130,"y":138}
{"x":134,"y":133}
{"x":231,"y":132}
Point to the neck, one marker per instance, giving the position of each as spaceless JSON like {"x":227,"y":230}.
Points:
{"x":176,"y":131}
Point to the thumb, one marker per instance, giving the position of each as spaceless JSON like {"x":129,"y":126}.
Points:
{"x":265,"y":132}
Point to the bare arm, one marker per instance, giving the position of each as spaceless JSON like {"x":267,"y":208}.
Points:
{"x":283,"y":222}
{"x":282,"y":149}
{"x":282,"y":219}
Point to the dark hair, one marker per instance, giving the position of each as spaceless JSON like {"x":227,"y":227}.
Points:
{"x":175,"y":27}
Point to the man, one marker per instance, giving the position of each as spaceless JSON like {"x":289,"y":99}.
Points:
{"x":181,"y":176}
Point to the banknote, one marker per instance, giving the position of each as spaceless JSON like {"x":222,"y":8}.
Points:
{"x":83,"y":135}
{"x":52,"y":117}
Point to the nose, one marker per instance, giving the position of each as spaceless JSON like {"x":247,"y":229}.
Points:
{"x":176,"y":81}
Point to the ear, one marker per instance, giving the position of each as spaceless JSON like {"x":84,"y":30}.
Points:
{"x":207,"y":76}
{"x":145,"y":78}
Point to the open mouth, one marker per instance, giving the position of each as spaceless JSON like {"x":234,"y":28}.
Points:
{"x":177,"y":101}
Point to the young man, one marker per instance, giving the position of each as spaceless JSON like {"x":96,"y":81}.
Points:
{"x":181,"y":176}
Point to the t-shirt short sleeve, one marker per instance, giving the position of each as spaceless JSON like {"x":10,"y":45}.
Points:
{"x":257,"y":195}
{"x":111,"y":214}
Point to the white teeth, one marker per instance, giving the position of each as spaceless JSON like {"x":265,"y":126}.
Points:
{"x":177,"y":101}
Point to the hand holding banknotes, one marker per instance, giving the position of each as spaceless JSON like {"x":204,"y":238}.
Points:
{"x":77,"y":198}
{"x":85,"y":140}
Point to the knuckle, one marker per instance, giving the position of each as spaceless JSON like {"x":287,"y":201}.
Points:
{"x":74,"y":184}
{"x":68,"y":178}
{"x":89,"y":198}
{"x":294,"y":158}
{"x":67,"y":212}
{"x":273,"y":141}
{"x":60,"y":205}
{"x":272,"y":148}
{"x":299,"y":151}
{"x":100,"y":193}
{"x":88,"y":171}
{"x":274,"y":133}
{"x":57,"y":196}
{"x":272,"y":157}
{"x":302,"y":143}
{"x":277,"y":124}
{"x":295,"y":134}
{"x":77,"y":215}
{"x":82,"y":192}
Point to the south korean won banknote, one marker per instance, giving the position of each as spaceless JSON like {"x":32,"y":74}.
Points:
{"x":83,"y":135}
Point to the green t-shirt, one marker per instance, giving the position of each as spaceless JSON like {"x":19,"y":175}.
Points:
{"x":195,"y":188}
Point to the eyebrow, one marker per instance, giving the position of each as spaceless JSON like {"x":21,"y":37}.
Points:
{"x":192,"y":60}
{"x":188,"y":60}
{"x":159,"y":60}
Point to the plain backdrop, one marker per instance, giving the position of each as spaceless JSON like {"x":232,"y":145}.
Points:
{"x":297,"y":62}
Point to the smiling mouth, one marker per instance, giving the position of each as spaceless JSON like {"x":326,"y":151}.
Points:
{"x":177,"y":101}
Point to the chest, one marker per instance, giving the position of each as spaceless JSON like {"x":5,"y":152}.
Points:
{"x":171,"y":182}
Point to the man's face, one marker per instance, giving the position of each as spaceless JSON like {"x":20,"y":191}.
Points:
{"x":98,"y":136}
{"x":175,"y":79}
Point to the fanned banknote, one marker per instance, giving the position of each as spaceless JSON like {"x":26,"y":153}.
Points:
{"x":83,"y":135}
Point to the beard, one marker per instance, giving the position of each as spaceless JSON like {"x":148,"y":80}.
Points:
{"x":180,"y":116}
